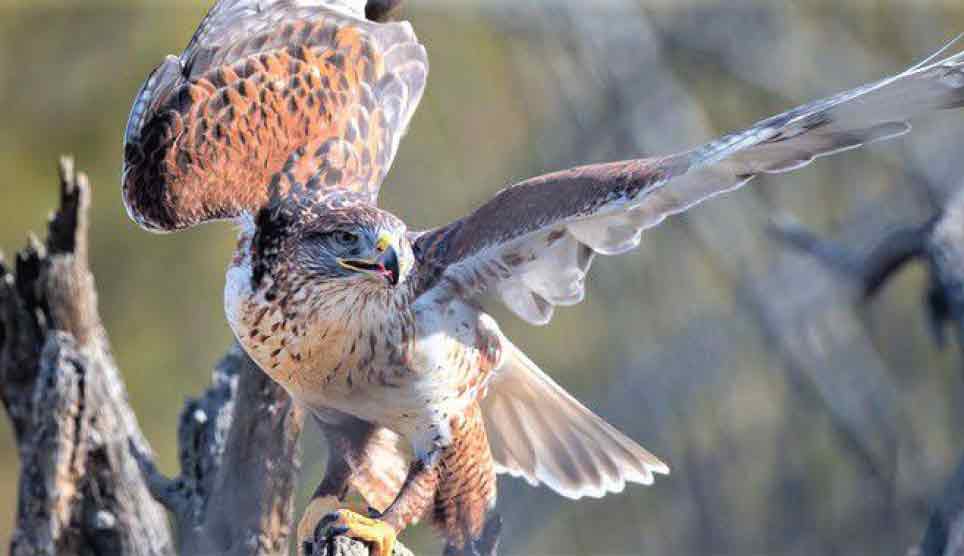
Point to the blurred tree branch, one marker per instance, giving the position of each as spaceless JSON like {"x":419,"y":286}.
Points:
{"x":870,"y":271}
{"x":641,"y":104}
{"x":939,"y":243}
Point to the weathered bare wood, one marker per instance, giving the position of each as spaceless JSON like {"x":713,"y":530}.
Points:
{"x":238,"y":450}
{"x":343,"y":546}
{"x":80,"y":491}
{"x":87,"y":472}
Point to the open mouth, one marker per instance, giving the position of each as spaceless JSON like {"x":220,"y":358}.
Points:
{"x":364,"y":265}
{"x":384,"y":265}
{"x":374,"y":267}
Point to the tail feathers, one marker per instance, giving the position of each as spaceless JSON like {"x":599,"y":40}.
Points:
{"x":539,"y":432}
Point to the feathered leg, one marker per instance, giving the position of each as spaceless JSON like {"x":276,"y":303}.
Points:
{"x":466,"y":487}
{"x":458,"y":488}
{"x":361,"y":456}
{"x":412,"y":502}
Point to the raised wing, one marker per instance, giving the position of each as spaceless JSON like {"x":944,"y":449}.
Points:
{"x":534,"y":241}
{"x":292,"y":97}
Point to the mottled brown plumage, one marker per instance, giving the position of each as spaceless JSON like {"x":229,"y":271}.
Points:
{"x":287,"y":114}
{"x":299,"y":98}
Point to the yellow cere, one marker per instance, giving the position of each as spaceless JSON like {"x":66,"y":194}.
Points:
{"x":385,"y":241}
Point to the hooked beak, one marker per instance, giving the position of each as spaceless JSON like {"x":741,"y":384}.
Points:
{"x":384,"y":266}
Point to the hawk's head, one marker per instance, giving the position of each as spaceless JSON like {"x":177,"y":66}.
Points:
{"x":338,"y":238}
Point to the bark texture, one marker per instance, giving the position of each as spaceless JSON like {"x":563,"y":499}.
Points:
{"x":80,"y":491}
{"x":89,"y":484}
{"x":238,"y":450}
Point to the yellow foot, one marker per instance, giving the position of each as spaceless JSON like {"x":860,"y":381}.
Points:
{"x":316,"y":510}
{"x":367,"y":529}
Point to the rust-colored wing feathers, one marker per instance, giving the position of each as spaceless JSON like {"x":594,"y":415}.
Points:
{"x":291,"y":98}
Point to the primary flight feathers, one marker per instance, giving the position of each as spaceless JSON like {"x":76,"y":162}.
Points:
{"x":537,"y":238}
{"x":296,"y":97}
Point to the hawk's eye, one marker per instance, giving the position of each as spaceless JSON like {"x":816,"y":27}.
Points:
{"x":339,"y":239}
{"x":343,"y":238}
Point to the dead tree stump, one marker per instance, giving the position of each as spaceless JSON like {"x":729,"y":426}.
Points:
{"x":88,"y":483}
{"x":80,"y":490}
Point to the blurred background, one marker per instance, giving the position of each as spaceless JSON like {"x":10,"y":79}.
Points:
{"x":796,"y":419}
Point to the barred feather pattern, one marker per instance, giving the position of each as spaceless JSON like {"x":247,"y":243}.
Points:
{"x":287,"y":98}
{"x":467,"y":483}
{"x":457,"y":490}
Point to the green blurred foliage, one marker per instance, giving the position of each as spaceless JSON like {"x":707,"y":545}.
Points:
{"x":68,"y":72}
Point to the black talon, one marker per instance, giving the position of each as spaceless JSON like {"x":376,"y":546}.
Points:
{"x":335,"y":531}
{"x":333,"y":516}
{"x":321,"y":528}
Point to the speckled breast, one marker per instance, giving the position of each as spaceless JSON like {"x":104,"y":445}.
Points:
{"x":336,"y":348}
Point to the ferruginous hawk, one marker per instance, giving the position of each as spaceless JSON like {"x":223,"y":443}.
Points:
{"x":287,"y":114}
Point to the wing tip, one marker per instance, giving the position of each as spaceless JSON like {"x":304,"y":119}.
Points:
{"x":156,"y":84}
{"x":934,"y":60}
{"x":643,"y":473}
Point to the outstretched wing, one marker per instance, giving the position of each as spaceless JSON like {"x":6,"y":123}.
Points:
{"x":533,"y":242}
{"x":286,"y":96}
